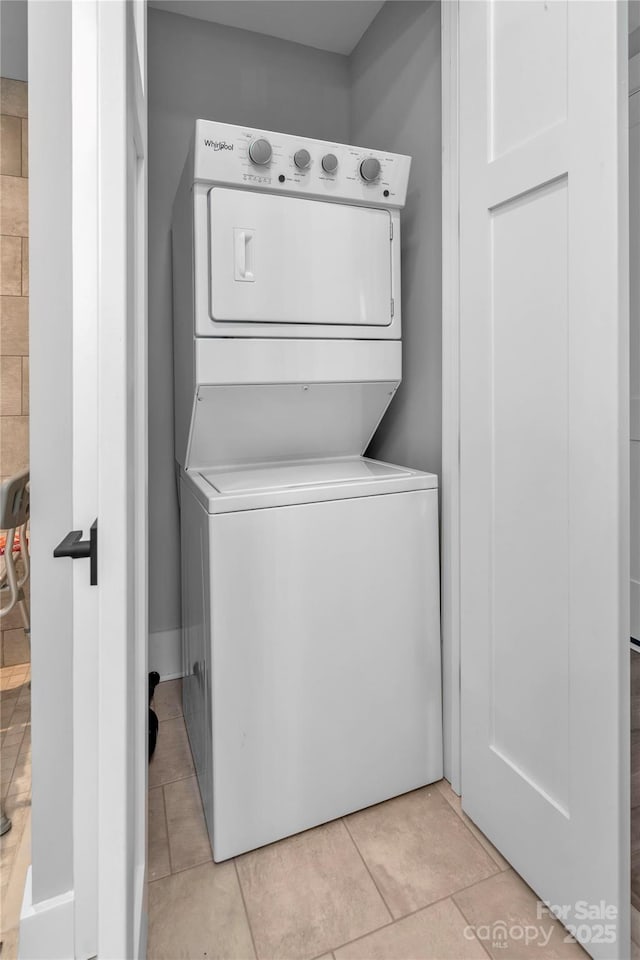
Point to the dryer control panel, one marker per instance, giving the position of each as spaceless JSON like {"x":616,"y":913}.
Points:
{"x":278,"y":162}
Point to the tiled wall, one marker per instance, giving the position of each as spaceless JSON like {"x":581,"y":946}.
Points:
{"x":14,"y":317}
{"x":14,"y":279}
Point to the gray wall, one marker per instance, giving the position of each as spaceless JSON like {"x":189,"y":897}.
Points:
{"x":13,"y":39}
{"x":198,"y":69}
{"x":634,"y":28}
{"x":395,"y":71}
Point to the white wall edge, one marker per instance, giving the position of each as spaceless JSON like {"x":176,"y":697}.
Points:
{"x":450,"y":487}
{"x":46,"y":928}
{"x":165,"y":653}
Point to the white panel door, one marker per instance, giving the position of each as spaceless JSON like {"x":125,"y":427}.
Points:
{"x":544,"y":448}
{"x":121,"y":668}
{"x":109,"y":321}
{"x":287,"y":260}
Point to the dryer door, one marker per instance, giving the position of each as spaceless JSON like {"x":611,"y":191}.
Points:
{"x":276,"y":259}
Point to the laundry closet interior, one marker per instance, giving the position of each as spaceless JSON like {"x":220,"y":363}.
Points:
{"x":280,"y":437}
{"x":291,"y":372}
{"x":385,"y":93}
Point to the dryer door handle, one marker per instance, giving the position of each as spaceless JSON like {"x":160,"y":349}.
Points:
{"x":243,"y":254}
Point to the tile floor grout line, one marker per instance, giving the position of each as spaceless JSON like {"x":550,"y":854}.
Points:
{"x":6,"y":758}
{"x":192,"y":866}
{"x":469,"y":924}
{"x":176,"y":873}
{"x":246,"y":909}
{"x":10,"y":717}
{"x":369,"y":933}
{"x":482,"y":880}
{"x":9,"y":778}
{"x":165,"y":783}
{"x":515,"y":872}
{"x":461,"y":815}
{"x":386,"y":926}
{"x":498,"y":869}
{"x":17,"y":744}
{"x":366,"y":866}
{"x":425,"y":906}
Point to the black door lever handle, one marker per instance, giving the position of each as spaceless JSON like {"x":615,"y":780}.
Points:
{"x":72,"y":546}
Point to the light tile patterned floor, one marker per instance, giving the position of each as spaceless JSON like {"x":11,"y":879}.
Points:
{"x":404,"y":879}
{"x":14,"y":643}
{"x":15,"y":788}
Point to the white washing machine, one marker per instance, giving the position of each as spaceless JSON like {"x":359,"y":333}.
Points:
{"x":311,"y":635}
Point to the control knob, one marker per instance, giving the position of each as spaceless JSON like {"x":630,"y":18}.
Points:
{"x":370,"y":169}
{"x":260,"y":151}
{"x":302,"y":159}
{"x":330,"y":163}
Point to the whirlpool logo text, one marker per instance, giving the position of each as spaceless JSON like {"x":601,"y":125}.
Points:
{"x":218,"y":144}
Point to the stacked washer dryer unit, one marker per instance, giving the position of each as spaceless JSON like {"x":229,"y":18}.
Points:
{"x":309,"y":572}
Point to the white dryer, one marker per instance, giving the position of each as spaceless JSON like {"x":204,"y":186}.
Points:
{"x":311,"y":638}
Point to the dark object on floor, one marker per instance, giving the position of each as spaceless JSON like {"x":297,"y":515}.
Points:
{"x":154,"y":680}
{"x":5,"y":822}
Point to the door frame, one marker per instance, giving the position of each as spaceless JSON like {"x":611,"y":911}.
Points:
{"x":450,"y":481}
{"x":85,"y":893}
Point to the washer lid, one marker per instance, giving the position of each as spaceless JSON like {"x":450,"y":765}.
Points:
{"x":282,"y":476}
{"x":287,"y":483}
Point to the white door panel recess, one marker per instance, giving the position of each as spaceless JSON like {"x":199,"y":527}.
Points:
{"x":290,"y":260}
{"x":543,"y":386}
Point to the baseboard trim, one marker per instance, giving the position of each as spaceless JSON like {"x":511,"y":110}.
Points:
{"x":46,"y":928}
{"x":165,"y":653}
